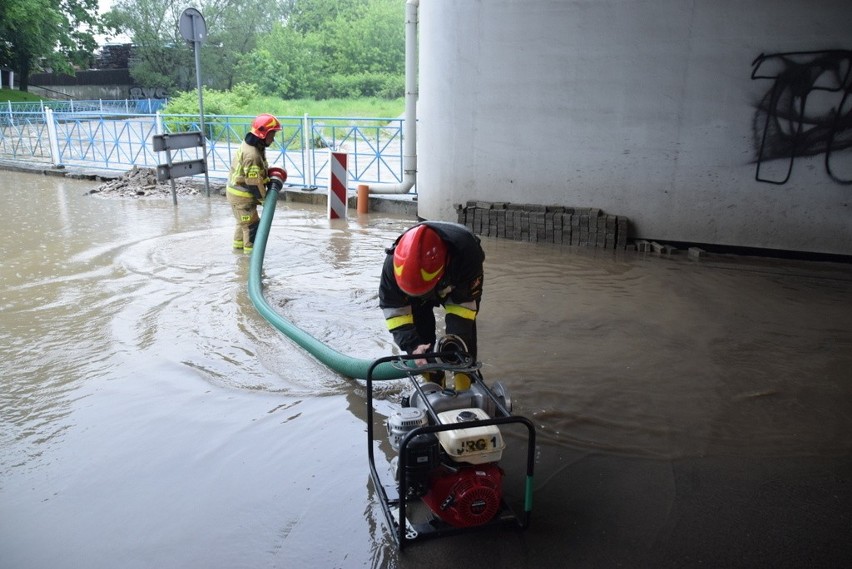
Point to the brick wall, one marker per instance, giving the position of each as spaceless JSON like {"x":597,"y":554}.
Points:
{"x":589,"y":227}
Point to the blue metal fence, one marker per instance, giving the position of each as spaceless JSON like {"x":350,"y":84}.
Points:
{"x":23,"y":136}
{"x":117,"y":135}
{"x":129,"y":106}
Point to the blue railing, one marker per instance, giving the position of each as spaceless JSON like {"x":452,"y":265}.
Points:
{"x":374,"y":148}
{"x":117,"y":135}
{"x":23,"y":136}
{"x":129,"y":106}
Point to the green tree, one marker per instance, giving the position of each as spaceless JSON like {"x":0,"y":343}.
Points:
{"x":307,"y":16}
{"x":333,"y":49}
{"x":287,"y":48}
{"x":160,"y":57}
{"x":289,"y":65}
{"x":234,"y":29}
{"x":371,"y":42}
{"x":163,"y":58}
{"x":47,"y":34}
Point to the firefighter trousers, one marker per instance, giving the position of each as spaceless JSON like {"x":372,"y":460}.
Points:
{"x":245,"y":213}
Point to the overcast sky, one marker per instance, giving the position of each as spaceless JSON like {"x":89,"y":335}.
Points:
{"x":103,"y":7}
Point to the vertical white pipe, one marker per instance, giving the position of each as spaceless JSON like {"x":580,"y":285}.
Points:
{"x":409,"y":124}
{"x":409,"y":127}
{"x":307,"y":151}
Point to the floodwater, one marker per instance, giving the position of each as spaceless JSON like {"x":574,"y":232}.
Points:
{"x":688,"y":412}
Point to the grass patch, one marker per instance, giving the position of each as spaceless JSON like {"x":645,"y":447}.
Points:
{"x":244,"y":100}
{"x":368,"y":107}
{"x":247,"y":100}
{"x":254,"y":104}
{"x":16,"y":96}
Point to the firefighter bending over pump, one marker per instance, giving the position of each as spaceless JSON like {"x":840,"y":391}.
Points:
{"x":433,"y":263}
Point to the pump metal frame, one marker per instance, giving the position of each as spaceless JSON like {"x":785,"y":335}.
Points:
{"x":404,"y":530}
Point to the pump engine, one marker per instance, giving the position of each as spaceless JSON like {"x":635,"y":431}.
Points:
{"x":455,"y":471}
{"x":447,"y":448}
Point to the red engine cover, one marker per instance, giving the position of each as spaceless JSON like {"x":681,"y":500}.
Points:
{"x":468,"y":497}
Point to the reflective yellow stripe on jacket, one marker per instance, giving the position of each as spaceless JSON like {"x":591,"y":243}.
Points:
{"x":241,"y":193}
{"x":396,"y":317}
{"x":466,"y":310}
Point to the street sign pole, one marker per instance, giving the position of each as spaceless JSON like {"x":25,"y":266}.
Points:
{"x":194,"y":29}
{"x":171,"y":170}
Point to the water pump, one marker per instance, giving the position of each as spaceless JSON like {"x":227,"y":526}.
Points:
{"x":448,"y":444}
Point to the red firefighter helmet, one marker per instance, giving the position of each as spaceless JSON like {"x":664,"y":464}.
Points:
{"x":419,"y":260}
{"x":264,"y":124}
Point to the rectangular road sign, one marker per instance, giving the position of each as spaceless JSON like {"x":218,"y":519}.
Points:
{"x":176,"y":141}
{"x":180,"y":169}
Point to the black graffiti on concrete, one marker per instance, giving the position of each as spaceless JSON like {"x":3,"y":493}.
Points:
{"x":806,"y":111}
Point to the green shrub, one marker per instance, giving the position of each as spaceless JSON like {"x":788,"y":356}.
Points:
{"x":393,"y":87}
{"x":383,"y":85}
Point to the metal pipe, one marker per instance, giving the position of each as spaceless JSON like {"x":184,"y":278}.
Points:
{"x":409,"y":124}
{"x":197,"y":47}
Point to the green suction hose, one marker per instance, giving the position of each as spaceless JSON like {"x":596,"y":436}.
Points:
{"x":341,"y":363}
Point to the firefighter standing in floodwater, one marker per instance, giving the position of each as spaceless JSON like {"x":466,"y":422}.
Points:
{"x":248,"y":178}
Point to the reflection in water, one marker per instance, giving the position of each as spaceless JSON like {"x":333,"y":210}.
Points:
{"x":667,"y":357}
{"x":129,"y":342}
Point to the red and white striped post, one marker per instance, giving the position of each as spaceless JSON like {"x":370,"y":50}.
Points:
{"x":337,"y":185}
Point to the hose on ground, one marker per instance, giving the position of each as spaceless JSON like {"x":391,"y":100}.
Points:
{"x":345,"y":365}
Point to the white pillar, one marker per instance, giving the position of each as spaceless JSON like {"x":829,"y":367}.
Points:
{"x":52,"y":137}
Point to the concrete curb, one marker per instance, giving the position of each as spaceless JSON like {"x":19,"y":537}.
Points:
{"x":405,"y":204}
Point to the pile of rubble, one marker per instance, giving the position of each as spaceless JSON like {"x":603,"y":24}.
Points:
{"x":142,"y":183}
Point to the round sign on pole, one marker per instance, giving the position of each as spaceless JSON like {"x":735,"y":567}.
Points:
{"x":192,"y":26}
